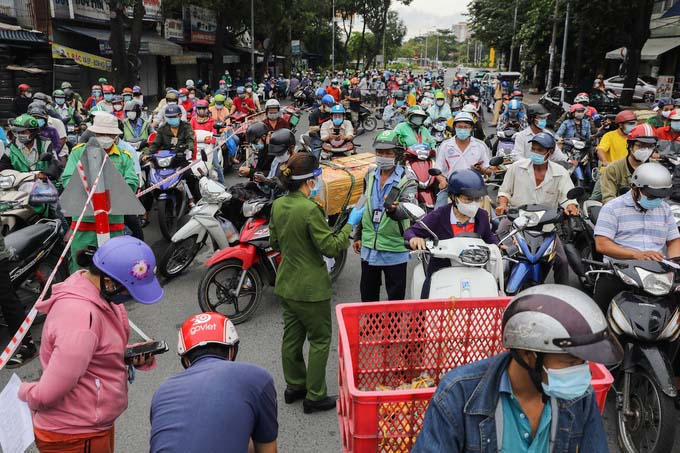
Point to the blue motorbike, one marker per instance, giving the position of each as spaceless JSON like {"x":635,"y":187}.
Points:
{"x":172,"y":197}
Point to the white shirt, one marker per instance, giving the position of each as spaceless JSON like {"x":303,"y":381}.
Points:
{"x":346,"y":129}
{"x":522,"y":145}
{"x":58,"y":125}
{"x":519,"y":185}
{"x":450,"y":157}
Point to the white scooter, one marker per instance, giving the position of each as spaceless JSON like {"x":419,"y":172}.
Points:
{"x":209,"y":149}
{"x":476,"y":267}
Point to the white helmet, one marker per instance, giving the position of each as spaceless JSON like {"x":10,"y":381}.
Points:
{"x":470,"y":108}
{"x":654,"y":179}
{"x":463,"y":117}
{"x":189,"y":83}
{"x":271,"y":104}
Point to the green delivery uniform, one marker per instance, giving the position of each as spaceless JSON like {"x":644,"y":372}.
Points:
{"x":299,"y":230}
{"x":20,"y":163}
{"x":86,"y":234}
{"x":408,"y":137}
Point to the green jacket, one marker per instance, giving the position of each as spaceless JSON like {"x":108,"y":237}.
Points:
{"x":616,"y":176}
{"x":18,"y":162}
{"x":298,"y":228}
{"x":129,"y":130}
{"x":120,"y":158}
{"x":390,"y":234}
{"x":164,"y":136}
{"x":656,"y":121}
{"x":407,"y":135}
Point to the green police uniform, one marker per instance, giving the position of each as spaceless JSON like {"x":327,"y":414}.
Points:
{"x":299,"y":230}
{"x":86,"y":234}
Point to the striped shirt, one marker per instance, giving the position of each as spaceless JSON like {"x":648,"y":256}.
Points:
{"x":628,"y":226}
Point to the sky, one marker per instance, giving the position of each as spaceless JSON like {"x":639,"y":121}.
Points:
{"x":423,"y":15}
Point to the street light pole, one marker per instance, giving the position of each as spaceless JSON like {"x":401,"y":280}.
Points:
{"x":564,"y":42}
{"x":333,"y":39}
{"x":436,"y":58}
{"x":553,"y":47}
{"x":252,"y":40}
{"x":425,"y":60}
{"x":512,"y":43}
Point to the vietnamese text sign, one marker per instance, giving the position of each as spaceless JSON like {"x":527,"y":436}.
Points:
{"x":93,"y":10}
{"x":61,"y":9}
{"x":174,"y":30}
{"x":664,"y":87}
{"x":152,"y":10}
{"x":200,"y":24}
{"x":82,"y":58}
{"x":7,"y":8}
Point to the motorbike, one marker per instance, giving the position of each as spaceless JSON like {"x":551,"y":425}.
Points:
{"x":578,"y":151}
{"x":367,"y":119}
{"x":304,"y":97}
{"x":172,"y":196}
{"x":476,"y":267}
{"x":438,"y":130}
{"x":578,"y":239}
{"x":669,"y":152}
{"x":505,"y":143}
{"x":418,"y":162}
{"x":292,"y":115}
{"x":15,"y":190}
{"x":337,"y":147}
{"x":311,"y":145}
{"x":207,"y":146}
{"x":644,"y":315}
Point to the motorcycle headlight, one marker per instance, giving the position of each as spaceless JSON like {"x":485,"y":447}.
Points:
{"x":579,"y":144}
{"x":164,"y":162}
{"x":475,"y":256}
{"x":6,"y":181}
{"x":655,"y":284}
{"x":626,"y":279}
{"x":672,"y":329}
{"x":533,"y":218}
{"x":618,"y":321}
{"x":423,"y":154}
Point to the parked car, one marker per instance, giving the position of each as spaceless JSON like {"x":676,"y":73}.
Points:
{"x":645,"y":90}
{"x":559,"y":99}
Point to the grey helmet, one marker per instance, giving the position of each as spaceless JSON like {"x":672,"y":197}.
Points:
{"x":654,"y":180}
{"x":280,"y":141}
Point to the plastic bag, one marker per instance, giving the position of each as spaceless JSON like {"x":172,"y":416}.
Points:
{"x":43,"y":192}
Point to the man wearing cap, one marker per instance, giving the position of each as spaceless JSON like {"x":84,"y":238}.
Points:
{"x":137,"y":95}
{"x":538,"y":121}
{"x":663,"y":110}
{"x":74,"y":99}
{"x":538,"y":180}
{"x":105,"y":129}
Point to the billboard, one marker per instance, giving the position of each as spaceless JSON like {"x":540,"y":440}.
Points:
{"x":82,"y":58}
{"x":173,"y":30}
{"x":200,"y":24}
{"x":91,"y":10}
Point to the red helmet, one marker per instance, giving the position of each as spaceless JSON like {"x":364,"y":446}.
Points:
{"x":127,"y":90}
{"x":24,"y":87}
{"x":643,"y":133}
{"x":575,"y":107}
{"x":183,"y":91}
{"x":202,"y":104}
{"x":582,"y":97}
{"x":517,"y":93}
{"x":204,"y":329}
{"x":108,"y":89}
{"x":625,"y":116}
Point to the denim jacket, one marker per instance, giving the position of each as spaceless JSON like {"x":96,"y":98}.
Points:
{"x":460,"y":417}
{"x":568,"y":129}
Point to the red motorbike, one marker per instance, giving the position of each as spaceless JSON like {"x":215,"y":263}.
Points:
{"x":418,"y":159}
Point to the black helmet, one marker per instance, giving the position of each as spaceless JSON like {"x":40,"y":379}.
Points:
{"x":281,"y":141}
{"x":255,"y":131}
{"x":37,"y":109}
{"x":534,"y":110}
{"x":398,"y":94}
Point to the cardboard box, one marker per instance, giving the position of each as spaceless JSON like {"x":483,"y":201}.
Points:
{"x":344,"y":177}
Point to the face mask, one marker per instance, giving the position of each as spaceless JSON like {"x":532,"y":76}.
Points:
{"x":282,"y":158}
{"x":41,"y":122}
{"x":105,"y":142}
{"x":28,"y":94}
{"x":536,"y":159}
{"x":219,"y":106}
{"x":131,"y":115}
{"x":223,"y":87}
{"x":273,"y":116}
{"x":468,"y":209}
{"x":542,"y":123}
{"x":384,"y":163}
{"x":242,"y":96}
{"x":117,"y":107}
{"x":579,"y":116}
{"x":675,"y":125}
{"x":463,"y":134}
{"x":60,"y":101}
{"x":182,"y":98}
{"x":171,"y":102}
{"x":127,"y":98}
{"x":643,"y":154}
{"x":115,"y":297}
{"x":192,"y":96}
{"x":249,"y":90}
{"x":173,"y":122}
{"x":648,"y":204}
{"x":567,"y":383}
{"x":417,"y":121}
{"x":338,"y":121}
{"x":628,"y":128}
{"x":96,"y":94}
{"x":108,"y":97}
{"x":440,"y":102}
{"x":399,"y":103}
{"x":24,"y":139}
{"x":666,"y":113}
{"x":314,"y":190}
{"x":258,"y":147}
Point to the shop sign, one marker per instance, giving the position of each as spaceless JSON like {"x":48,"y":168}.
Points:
{"x":82,"y":58}
{"x":200,"y":24}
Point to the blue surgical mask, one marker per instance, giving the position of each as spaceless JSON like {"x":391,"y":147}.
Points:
{"x":675,"y":125}
{"x":219,"y":106}
{"x":567,"y":383}
{"x":41,"y":122}
{"x":182,"y":98}
{"x":463,"y":134}
{"x":108,"y":97}
{"x":542,"y":123}
{"x":315,"y":190}
{"x":96,"y":93}
{"x":536,"y":159}
{"x":173,"y":122}
{"x":338,"y":121}
{"x":399,"y":103}
{"x":258,"y":147}
{"x":60,"y":101}
{"x":629,"y":127}
{"x":127,"y":98}
{"x":648,"y":204}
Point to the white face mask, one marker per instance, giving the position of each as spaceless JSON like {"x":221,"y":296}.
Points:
{"x":440,"y":102}
{"x":273,"y":116}
{"x":131,"y":115}
{"x":105,"y":142}
{"x":643,"y":154}
{"x":468,"y":209}
{"x":117,"y":107}
{"x":282,"y":158}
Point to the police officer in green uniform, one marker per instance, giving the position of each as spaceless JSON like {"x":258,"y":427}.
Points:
{"x":105,"y":129}
{"x":298,"y":229}
{"x":381,"y":231}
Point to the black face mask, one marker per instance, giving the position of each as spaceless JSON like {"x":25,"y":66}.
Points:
{"x":116,"y":296}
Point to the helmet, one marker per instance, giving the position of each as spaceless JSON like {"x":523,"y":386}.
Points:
{"x":222,"y":82}
{"x":517,"y":94}
{"x":675,"y":115}
{"x":456,"y":104}
{"x":338,"y":108}
{"x":24,"y":87}
{"x":183,"y":91}
{"x":65,"y":85}
{"x":42,"y":97}
{"x":240,"y":90}
{"x":355,"y":80}
{"x":439,"y":94}
{"x":96,"y":87}
{"x":117,"y":98}
{"x":544,"y":139}
{"x":102,"y":80}
{"x":334,"y":81}
{"x":470,"y":108}
{"x":131,"y":263}
{"x":562,"y":320}
{"x":171,"y":95}
{"x":388,"y":139}
{"x":345,"y":83}
{"x":220,"y":99}
{"x":643,"y":133}
{"x":189,"y":83}
{"x":514,"y":105}
{"x":582,"y":98}
{"x":463,"y":117}
{"x":132,"y":106}
{"x":466,"y":182}
{"x":280,"y":141}
{"x":24,"y":122}
{"x":535,"y":110}
{"x":202,"y":104}
{"x":58,"y":94}
{"x":127,"y":90}
{"x":37,"y":108}
{"x":416,"y":110}
{"x":204,"y":329}
{"x":136,"y":89}
{"x":625,"y":116}
{"x":272,"y":104}
{"x":654,"y":178}
{"x":575,"y":107}
{"x":327,"y":99}
{"x":255,"y":131}
{"x":320,"y":93}
{"x":172,"y":111}
{"x":108,"y":89}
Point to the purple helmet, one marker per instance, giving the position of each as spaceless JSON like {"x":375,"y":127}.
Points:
{"x":131,"y":263}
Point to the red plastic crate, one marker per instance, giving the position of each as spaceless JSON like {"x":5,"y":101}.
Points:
{"x":387,"y":343}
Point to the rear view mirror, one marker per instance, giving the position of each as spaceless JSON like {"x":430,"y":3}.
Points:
{"x":204,"y":155}
{"x":414,"y":211}
{"x":496,"y":161}
{"x":434,"y":172}
{"x":576,"y":193}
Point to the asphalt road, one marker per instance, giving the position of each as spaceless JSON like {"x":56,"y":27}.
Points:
{"x":260,"y":344}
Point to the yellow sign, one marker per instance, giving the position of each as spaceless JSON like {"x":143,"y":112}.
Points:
{"x":82,"y":58}
{"x":492,"y":57}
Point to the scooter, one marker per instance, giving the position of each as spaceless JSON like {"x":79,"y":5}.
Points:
{"x":645,"y":316}
{"x":438,"y":130}
{"x":292,"y":115}
{"x":418,"y":161}
{"x":367,"y":120}
{"x":336,"y":147}
{"x":15,"y":190}
{"x":505,"y":143}
{"x":207,"y":146}
{"x":578,"y":239}
{"x":476,"y":267}
{"x":579,"y":151}
{"x":173,"y":195}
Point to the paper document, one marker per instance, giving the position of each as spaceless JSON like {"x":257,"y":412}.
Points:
{"x":16,"y":429}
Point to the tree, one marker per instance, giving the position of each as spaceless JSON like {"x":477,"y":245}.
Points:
{"x":125,"y":62}
{"x":640,"y":14}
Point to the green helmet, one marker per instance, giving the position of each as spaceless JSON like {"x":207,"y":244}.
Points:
{"x":388,"y":139}
{"x":24,"y":122}
{"x":220,"y":98}
{"x":345,"y":82}
{"x":58,"y":94}
{"x":102,"y":80}
{"x":439,"y":94}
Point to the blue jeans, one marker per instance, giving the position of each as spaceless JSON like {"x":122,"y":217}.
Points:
{"x":442,"y":199}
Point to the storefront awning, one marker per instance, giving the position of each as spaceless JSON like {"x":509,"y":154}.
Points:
{"x":650,"y":51}
{"x":22,"y":36}
{"x":151,"y":43}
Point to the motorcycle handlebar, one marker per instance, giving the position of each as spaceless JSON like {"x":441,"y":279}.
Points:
{"x":593,"y":263}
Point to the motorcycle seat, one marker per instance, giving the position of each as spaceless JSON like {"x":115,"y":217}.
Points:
{"x":25,"y":241}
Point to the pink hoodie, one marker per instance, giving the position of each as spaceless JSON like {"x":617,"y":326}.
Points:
{"x":83,"y":388}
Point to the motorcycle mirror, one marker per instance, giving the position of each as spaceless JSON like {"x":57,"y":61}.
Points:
{"x":496,"y":161}
{"x":413,"y":210}
{"x":204,"y":155}
{"x":219,"y":125}
{"x":576,"y":193}
{"x":46,"y":157}
{"x":434,"y":172}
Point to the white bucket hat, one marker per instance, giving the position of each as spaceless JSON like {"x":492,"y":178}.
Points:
{"x":105,"y":124}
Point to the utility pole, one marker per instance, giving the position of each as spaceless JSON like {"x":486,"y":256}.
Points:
{"x":384,"y":56}
{"x":468,"y":49}
{"x":252,"y":40}
{"x":425,"y":61}
{"x":564,"y":42}
{"x":512,"y":44}
{"x":333,"y":40}
{"x":436,"y":58}
{"x":553,"y":49}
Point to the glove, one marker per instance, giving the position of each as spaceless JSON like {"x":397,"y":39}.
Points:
{"x":355,"y":216}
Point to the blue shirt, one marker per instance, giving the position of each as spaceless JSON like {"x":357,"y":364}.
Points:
{"x":376,"y":257}
{"x":214,"y":406}
{"x":516,"y":427}
{"x":568,"y":129}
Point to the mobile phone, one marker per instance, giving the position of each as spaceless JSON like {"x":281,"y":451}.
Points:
{"x":392,"y":196}
{"x":155,"y":348}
